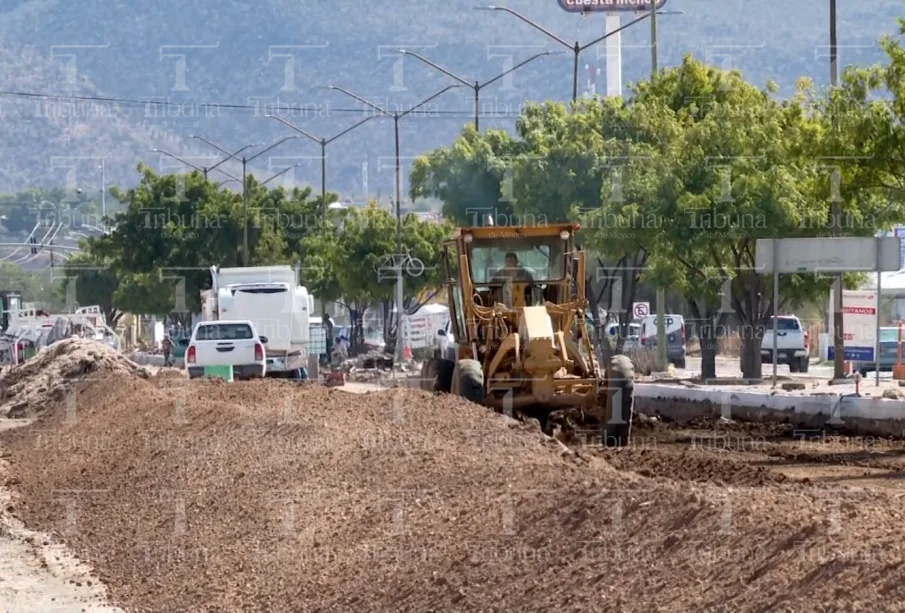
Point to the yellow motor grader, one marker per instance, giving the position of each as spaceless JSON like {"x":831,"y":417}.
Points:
{"x":521,"y":343}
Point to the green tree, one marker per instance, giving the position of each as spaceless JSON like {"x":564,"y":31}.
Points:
{"x":351,"y":260}
{"x":470,"y":178}
{"x":733,"y":165}
{"x":91,"y":280}
{"x":35,"y":286}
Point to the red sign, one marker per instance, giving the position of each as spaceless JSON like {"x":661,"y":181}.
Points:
{"x":859,"y":310}
{"x":608,"y":6}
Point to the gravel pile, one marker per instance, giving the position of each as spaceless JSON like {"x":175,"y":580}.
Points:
{"x":267,"y":496}
{"x":44,"y":381}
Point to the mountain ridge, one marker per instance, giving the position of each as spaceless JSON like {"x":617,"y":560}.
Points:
{"x":247,"y":54}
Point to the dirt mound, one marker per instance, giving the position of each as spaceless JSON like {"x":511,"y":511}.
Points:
{"x":39,"y":383}
{"x":165,"y":372}
{"x":266,"y":496}
{"x":707,"y":466}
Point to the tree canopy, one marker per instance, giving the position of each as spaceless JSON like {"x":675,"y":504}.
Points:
{"x":675,"y":184}
{"x":173,"y":228}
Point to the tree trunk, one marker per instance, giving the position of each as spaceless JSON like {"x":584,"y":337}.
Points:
{"x":708,"y":338}
{"x":750,"y":358}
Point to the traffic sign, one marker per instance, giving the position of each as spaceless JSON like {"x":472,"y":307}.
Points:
{"x":641,"y":309}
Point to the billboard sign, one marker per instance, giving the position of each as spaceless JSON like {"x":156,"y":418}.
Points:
{"x":859,"y":323}
{"x":828,"y":255}
{"x":900,"y":234}
{"x":609,"y":6}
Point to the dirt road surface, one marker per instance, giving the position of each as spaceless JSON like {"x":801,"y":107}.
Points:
{"x":269,"y":496}
{"x":37,"y":574}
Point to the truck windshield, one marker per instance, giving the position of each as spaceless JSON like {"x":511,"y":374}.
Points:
{"x":784,"y":325}
{"x":261,"y":290}
{"x":223,"y":332}
{"x":540,"y":257}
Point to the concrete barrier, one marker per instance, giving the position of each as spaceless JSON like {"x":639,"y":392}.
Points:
{"x":860,"y":415}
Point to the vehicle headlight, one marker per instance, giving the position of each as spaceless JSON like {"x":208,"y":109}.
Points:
{"x":564,"y":235}
{"x":468,"y":238}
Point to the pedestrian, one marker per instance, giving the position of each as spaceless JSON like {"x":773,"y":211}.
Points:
{"x":343,"y":345}
{"x":328,"y":329}
{"x":167,"y":346}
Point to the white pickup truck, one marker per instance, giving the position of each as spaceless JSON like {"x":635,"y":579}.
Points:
{"x":792,"y":343}
{"x":271,"y":298}
{"x":226,"y":343}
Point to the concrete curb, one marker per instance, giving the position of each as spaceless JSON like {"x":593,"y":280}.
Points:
{"x":867,"y":415}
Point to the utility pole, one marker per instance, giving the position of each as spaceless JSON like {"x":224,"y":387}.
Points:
{"x":836,"y":212}
{"x":104,"y":193}
{"x":662,"y":365}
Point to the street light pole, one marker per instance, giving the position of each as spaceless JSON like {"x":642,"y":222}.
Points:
{"x":836,"y":212}
{"x":281,"y":173}
{"x":244,"y":212}
{"x":244,"y":161}
{"x":576,"y":48}
{"x":230,"y":156}
{"x":245,"y":192}
{"x":323,"y":142}
{"x":662,"y":355}
{"x":396,"y":117}
{"x":192,"y":166}
{"x":104,"y":193}
{"x":476,"y":86}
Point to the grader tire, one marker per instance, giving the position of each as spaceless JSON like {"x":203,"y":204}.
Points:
{"x":620,"y":402}
{"x":429,"y":375}
{"x":445,"y":370}
{"x":468,"y":381}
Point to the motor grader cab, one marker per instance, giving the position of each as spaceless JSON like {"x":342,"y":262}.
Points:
{"x":517,"y":309}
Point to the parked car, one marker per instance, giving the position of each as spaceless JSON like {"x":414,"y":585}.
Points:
{"x":792,"y":344}
{"x":226,"y":343}
{"x":676,"y":348}
{"x":631,"y":340}
{"x":889,"y":352}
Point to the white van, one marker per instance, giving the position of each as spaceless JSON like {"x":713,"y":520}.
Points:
{"x":675,"y":337}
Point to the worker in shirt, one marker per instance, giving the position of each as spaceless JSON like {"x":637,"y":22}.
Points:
{"x":329,"y":330}
{"x":167,"y":346}
{"x":514,"y":271}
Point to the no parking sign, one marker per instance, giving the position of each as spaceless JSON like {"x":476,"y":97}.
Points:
{"x":640,"y":309}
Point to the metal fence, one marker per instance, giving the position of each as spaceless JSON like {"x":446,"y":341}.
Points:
{"x":317,"y":340}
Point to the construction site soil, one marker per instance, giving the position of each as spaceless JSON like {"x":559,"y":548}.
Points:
{"x":271,"y":496}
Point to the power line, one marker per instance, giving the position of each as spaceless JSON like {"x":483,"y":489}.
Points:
{"x":277,"y":108}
